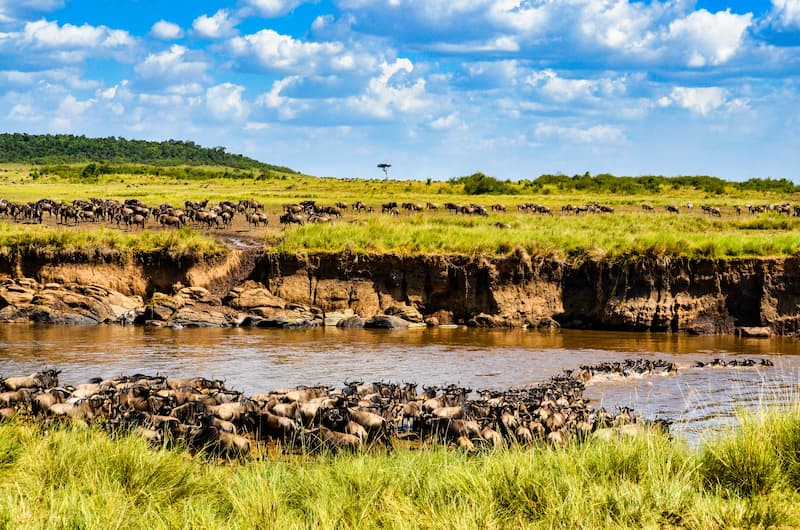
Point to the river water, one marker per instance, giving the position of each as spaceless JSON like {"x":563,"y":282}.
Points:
{"x":256,"y":360}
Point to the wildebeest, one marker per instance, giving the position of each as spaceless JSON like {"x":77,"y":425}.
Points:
{"x":291,"y":218}
{"x":43,"y":379}
{"x":257,"y":219}
{"x":170,"y":220}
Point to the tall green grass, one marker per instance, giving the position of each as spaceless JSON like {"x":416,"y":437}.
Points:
{"x":620,"y":235}
{"x":73,"y":477}
{"x":102,"y":244}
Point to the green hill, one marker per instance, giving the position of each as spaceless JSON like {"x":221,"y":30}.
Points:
{"x":70,"y":149}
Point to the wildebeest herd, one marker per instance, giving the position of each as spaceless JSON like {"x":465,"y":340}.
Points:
{"x":205,"y":415}
{"x":135,"y":214}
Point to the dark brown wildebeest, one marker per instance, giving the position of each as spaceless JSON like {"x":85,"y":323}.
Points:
{"x":453,"y":207}
{"x":257,"y":219}
{"x":170,"y":220}
{"x":136,"y":220}
{"x":291,"y":218}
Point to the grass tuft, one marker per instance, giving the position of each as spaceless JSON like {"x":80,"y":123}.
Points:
{"x":77,"y":477}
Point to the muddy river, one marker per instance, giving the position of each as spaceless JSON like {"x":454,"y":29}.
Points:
{"x":255,"y":360}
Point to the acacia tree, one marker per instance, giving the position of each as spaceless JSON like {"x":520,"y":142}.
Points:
{"x":384,"y":166}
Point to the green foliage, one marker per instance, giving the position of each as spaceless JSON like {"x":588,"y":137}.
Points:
{"x":768,"y":185}
{"x":68,"y":149}
{"x":740,"y":465}
{"x":605,"y":183}
{"x":480,"y":184}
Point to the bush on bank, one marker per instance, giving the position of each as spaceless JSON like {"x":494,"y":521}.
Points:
{"x":72,"y":477}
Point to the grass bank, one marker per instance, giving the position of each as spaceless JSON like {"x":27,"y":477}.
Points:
{"x":573,"y":239}
{"x":79,"y":478}
{"x":108,"y":245}
{"x":629,"y":231}
{"x":595,"y":237}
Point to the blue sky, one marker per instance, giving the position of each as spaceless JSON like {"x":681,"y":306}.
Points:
{"x":437,"y":88}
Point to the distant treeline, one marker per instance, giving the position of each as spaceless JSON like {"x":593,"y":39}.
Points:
{"x":92,"y":171}
{"x":57,"y":149}
{"x":481,"y":184}
{"x":655,"y":184}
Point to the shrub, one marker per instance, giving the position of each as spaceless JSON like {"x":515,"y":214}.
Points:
{"x":480,"y":184}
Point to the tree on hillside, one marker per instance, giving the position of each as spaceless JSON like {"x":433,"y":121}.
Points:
{"x":71,"y":149}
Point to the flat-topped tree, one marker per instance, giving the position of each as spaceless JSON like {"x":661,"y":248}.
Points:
{"x":384,"y":166}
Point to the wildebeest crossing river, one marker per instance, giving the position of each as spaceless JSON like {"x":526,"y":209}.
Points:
{"x":254,"y":360}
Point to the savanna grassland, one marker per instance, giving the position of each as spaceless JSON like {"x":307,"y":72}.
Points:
{"x":78,"y":477}
{"x":628,"y":231}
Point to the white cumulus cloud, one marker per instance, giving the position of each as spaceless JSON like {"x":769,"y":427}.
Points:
{"x":709,"y":39}
{"x":698,"y":100}
{"x":387,"y":93}
{"x":558,"y":88}
{"x":170,"y":65}
{"x":47,"y":42}
{"x":786,"y":13}
{"x":617,"y":24}
{"x":43,"y":34}
{"x":221,"y":24}
{"x":225,"y":102}
{"x":166,"y":30}
{"x":273,"y":51}
{"x":286,"y":108}
{"x":273,"y":8}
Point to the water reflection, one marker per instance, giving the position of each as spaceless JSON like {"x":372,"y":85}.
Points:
{"x":255,"y":360}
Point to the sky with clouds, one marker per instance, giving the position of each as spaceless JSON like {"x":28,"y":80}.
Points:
{"x":437,"y":88}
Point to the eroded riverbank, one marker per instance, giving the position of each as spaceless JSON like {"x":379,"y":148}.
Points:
{"x":251,"y":288}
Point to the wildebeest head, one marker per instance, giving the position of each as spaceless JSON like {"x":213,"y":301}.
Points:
{"x":47,"y":378}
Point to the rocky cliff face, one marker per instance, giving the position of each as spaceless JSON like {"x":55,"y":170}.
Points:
{"x":751,"y":296}
{"x":642,"y":294}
